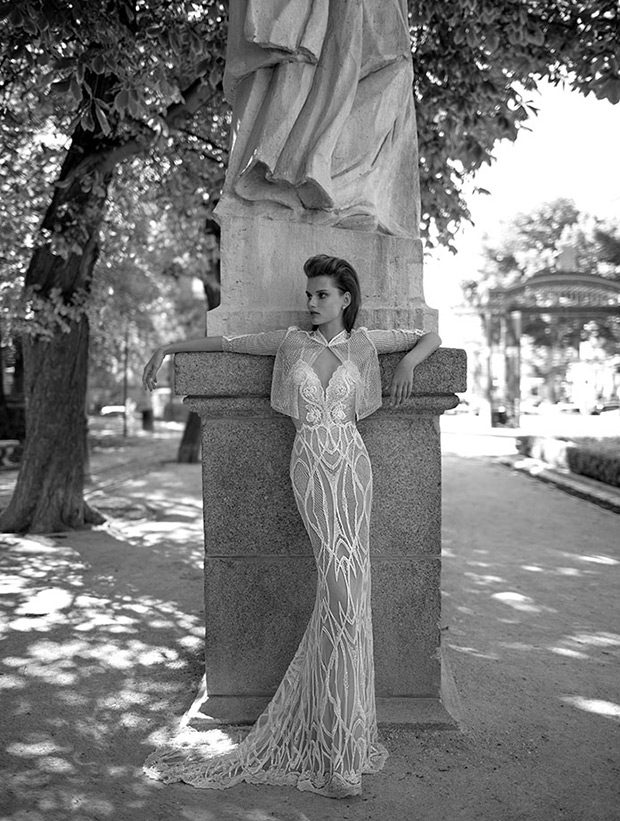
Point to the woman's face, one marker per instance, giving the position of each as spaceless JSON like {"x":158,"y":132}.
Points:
{"x":325,"y":301}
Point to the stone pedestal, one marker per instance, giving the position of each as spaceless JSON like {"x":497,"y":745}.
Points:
{"x":263,"y":283}
{"x":259,"y":570}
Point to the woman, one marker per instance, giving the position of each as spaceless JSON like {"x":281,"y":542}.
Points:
{"x":319,"y":732}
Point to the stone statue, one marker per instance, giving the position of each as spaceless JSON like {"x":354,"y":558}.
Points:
{"x":323,"y":114}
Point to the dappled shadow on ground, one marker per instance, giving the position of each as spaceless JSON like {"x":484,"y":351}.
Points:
{"x":102,"y":638}
{"x":530,"y":579}
{"x":88,"y":671}
{"x":100,"y":660}
{"x":529,"y":587}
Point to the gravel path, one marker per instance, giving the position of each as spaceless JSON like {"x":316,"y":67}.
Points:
{"x":102,"y":640}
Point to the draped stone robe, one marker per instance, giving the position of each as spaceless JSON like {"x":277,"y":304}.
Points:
{"x":323,"y":114}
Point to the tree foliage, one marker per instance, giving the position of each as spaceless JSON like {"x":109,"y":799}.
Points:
{"x":141,"y":79}
{"x":552,"y":235}
{"x":534,"y":241}
{"x":124,"y":68}
{"x":477,"y":65}
{"x":116,"y":78}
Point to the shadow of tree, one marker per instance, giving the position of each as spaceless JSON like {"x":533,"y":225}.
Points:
{"x":102,"y":637}
{"x":536,"y":573}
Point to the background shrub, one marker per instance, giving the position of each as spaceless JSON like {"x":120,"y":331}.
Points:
{"x":597,"y":459}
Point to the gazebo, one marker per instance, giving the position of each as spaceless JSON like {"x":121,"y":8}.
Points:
{"x":556,"y":293}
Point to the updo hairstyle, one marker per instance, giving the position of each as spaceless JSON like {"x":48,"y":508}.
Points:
{"x":345,"y":279}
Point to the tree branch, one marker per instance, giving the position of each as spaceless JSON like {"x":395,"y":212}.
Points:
{"x":197,"y":94}
{"x":206,"y":140}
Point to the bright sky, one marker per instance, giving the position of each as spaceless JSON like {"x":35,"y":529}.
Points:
{"x":572,"y":151}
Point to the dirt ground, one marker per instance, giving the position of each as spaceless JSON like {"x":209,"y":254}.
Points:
{"x":102,"y":648}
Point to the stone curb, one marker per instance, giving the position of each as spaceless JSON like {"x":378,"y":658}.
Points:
{"x":599,"y":493}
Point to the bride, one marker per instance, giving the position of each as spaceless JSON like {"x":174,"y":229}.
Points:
{"x":319,"y":732}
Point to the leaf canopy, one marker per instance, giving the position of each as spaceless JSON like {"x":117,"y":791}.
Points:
{"x":146,"y":76}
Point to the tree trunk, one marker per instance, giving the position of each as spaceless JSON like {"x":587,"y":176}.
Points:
{"x":189,"y":449}
{"x":49,"y":492}
{"x":18,"y":373}
{"x":5,"y":419}
{"x":148,"y":420}
{"x":49,"y":495}
{"x":50,"y":485}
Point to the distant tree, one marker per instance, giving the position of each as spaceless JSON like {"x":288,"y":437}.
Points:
{"x":144,"y":253}
{"x":530,"y":242}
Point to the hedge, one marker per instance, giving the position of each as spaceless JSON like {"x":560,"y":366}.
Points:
{"x":598,"y":460}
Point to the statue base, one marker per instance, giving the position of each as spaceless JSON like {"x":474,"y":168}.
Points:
{"x":262,"y":265}
{"x":260,"y":579}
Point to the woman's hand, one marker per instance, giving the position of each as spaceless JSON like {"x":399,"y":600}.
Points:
{"x":402,"y":383}
{"x":149,"y":377}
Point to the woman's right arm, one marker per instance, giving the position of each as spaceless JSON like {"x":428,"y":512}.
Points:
{"x":202,"y":343}
{"x":260,"y":344}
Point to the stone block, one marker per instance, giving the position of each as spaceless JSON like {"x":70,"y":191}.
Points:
{"x":445,"y":372}
{"x":406,"y":610}
{"x":257,"y":612}
{"x":262,"y":266}
{"x":406,"y":515}
{"x":249,"y":508}
{"x":260,"y":581}
{"x":237,"y":376}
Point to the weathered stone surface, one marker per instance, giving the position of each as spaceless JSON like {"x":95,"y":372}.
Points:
{"x":406,"y":514}
{"x":257,"y":613}
{"x":239,"y":375}
{"x":443,"y":373}
{"x":263,"y":283}
{"x":406,"y":609}
{"x":323,"y":114}
{"x":260,"y":580}
{"x":248,"y":501}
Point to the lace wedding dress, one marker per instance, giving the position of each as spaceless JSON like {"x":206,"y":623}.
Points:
{"x":319,"y":732}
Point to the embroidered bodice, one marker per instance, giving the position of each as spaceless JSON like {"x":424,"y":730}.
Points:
{"x":332,"y":405}
{"x":354,"y":388}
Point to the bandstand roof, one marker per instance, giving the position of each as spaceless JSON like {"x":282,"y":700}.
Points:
{"x":566,"y":292}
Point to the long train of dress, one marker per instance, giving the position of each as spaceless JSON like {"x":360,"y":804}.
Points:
{"x":319,"y":732}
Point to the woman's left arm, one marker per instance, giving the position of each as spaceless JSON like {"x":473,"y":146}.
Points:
{"x":402,"y":381}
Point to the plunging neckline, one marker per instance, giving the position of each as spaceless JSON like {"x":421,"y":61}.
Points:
{"x":326,"y":387}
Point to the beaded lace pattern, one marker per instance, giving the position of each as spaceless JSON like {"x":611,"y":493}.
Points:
{"x":319,"y":732}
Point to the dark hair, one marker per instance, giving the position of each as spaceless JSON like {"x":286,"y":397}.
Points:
{"x":345,"y":279}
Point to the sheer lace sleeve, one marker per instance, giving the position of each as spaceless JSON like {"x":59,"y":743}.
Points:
{"x":394,"y":340}
{"x":262,"y":344}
